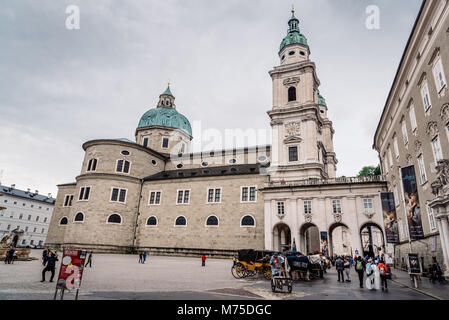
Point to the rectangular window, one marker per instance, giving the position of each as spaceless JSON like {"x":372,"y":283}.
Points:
{"x":21,"y":216}
{"x":368,"y":205}
{"x":404,"y":132}
{"x":34,"y":230}
{"x":84,"y":194}
{"x":183,"y":196}
{"x":45,"y":220}
{"x":396,"y":147}
{"x":281,"y":209}
{"x":9,"y":227}
{"x":413,"y":118}
{"x":29,"y":217}
{"x":32,"y":242}
{"x":426,"y":97}
{"x":68,"y":200}
{"x":145,"y":142}
{"x":26,"y":229}
{"x":37,"y":218}
{"x":42,"y":230}
{"x":438,"y":73}
{"x":92,"y":166}
{"x":214,"y":195}
{"x":436,"y":146}
{"x":432,"y":223}
{"x":118,"y":195}
{"x":248,"y":194}
{"x":336,"y":206}
{"x":308,"y":207}
{"x":422,"y":169}
{"x":292,"y":154}
{"x":155,"y":197}
{"x":123,"y":166}
{"x":165,"y":143}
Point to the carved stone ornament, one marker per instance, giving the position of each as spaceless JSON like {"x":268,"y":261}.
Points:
{"x":409,"y":158}
{"x":291,"y":81}
{"x":293,"y":129}
{"x":441,"y":185}
{"x":369,"y":214}
{"x":432,"y":129}
{"x":277,"y":123}
{"x":444,"y":113}
{"x":338,"y":217}
{"x":308,"y":217}
{"x":418,"y":146}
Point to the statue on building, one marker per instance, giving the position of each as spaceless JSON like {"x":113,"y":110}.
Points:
{"x":441,"y":185}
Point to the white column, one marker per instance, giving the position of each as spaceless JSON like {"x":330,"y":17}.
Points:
{"x":444,"y":235}
{"x":268,"y":227}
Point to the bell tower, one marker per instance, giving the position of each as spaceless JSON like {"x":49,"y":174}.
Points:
{"x":302,"y":145}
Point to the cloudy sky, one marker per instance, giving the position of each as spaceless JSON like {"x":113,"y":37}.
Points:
{"x":61,"y":87}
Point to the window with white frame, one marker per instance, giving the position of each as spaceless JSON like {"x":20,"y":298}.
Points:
{"x":281,"y":208}
{"x":368,"y":205}
{"x":422,"y":169}
{"x":438,"y":73}
{"x":155,"y":198}
{"x":29,"y":217}
{"x":145,"y":142}
{"x":404,"y":132}
{"x":20,"y":216}
{"x":436,"y":146}
{"x":214,"y":195}
{"x":183,"y":197}
{"x":122,"y":166}
{"x":336,"y":206}
{"x":247,"y":222}
{"x":432,"y":223}
{"x":84,"y":194}
{"x":426,"y":96}
{"x":396,"y":147}
{"x":165,"y":143}
{"x":308,"y":207}
{"x":413,"y":118}
{"x":68,"y":200}
{"x":118,"y":195}
{"x":248,"y":194}
{"x":92,"y":165}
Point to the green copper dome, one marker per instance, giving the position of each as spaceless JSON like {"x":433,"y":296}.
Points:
{"x":294,"y":35}
{"x":165,"y":115}
{"x":321,"y":100}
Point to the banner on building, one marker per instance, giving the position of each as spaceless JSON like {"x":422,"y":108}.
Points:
{"x":71,"y":271}
{"x":324,"y":244}
{"x":390,"y":217}
{"x":412,"y":207}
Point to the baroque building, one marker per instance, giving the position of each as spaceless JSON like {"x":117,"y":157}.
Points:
{"x":155,"y":194}
{"x":412,"y":139}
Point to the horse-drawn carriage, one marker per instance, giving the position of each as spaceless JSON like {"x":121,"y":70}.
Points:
{"x":306,"y":267}
{"x":251,"y":262}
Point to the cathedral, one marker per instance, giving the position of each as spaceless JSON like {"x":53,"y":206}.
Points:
{"x":154,"y":194}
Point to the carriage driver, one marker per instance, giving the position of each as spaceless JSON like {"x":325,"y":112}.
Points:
{"x":276,"y":263}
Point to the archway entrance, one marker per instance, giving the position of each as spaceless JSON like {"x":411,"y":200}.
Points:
{"x":340,"y":240}
{"x":310,"y":238}
{"x":282,"y":237}
{"x":372,"y":238}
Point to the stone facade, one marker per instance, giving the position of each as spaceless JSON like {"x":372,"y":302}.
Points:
{"x":413,"y":129}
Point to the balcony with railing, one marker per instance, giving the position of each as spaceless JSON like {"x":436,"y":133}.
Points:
{"x":323,"y":182}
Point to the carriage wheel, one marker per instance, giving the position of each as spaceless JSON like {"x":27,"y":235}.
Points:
{"x":240,"y":270}
{"x":234,"y":272}
{"x":273,"y":286}
{"x":267,"y":273}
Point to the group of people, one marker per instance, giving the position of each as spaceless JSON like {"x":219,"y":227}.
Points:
{"x":375,"y":269}
{"x":10,"y":256}
{"x":142,"y":257}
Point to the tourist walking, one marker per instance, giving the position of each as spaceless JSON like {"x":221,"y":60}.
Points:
{"x":436,"y":273}
{"x":14,"y":256}
{"x":141,"y":257}
{"x":203,"y":260}
{"x":89,"y":260}
{"x":360,"y":269}
{"x":347,"y":266}
{"x":372,"y":275}
{"x":144,"y":257}
{"x":51,"y":265}
{"x":10,"y":255}
{"x":383,"y":270}
{"x":339,"y":265}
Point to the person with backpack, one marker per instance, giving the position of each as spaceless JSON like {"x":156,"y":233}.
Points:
{"x":383,"y":270}
{"x":339,"y":265}
{"x":347,"y":266}
{"x":360,"y":269}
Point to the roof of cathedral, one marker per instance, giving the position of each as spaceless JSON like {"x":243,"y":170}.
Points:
{"x":321,"y":100}
{"x":206,"y":172}
{"x":294,"y":35}
{"x":165,"y":117}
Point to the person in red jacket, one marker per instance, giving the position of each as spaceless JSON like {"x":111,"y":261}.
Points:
{"x":383,"y":270}
{"x":203,"y":260}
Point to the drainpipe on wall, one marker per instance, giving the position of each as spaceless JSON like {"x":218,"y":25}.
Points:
{"x":133,"y":250}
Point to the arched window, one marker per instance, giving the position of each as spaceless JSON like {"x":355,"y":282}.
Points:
{"x":79,"y":217}
{"x":212,"y":221}
{"x":291,"y":94}
{"x":152,"y":221}
{"x":180,"y":221}
{"x":115,"y":218}
{"x":248,"y":221}
{"x":63,"y":221}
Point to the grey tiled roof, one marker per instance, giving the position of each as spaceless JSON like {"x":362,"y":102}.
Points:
{"x":26,"y":195}
{"x":230,"y":170}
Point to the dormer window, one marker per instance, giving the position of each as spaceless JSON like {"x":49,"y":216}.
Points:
{"x":291,"y":94}
{"x":291,"y":53}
